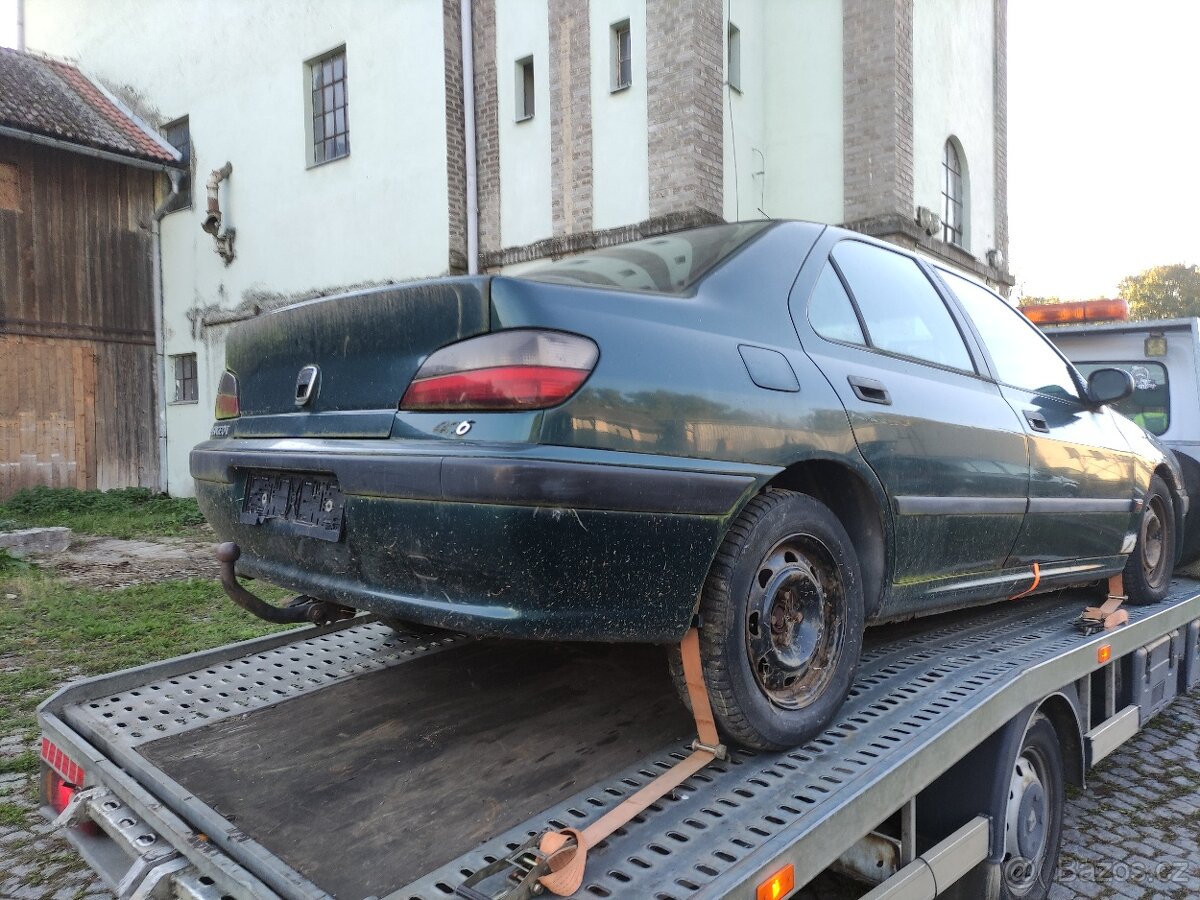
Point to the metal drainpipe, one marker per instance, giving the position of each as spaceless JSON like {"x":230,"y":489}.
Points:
{"x":160,"y":362}
{"x":468,"y":73}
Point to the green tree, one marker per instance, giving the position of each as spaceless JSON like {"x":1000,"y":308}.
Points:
{"x":1163,"y":292}
{"x":1038,"y":301}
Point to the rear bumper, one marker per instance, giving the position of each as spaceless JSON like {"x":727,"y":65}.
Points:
{"x":492,"y":542}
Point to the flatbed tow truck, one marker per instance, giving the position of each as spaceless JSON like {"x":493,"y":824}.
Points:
{"x":354,"y":760}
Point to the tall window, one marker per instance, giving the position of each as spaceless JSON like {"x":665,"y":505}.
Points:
{"x":734,"y":62}
{"x":524,"y":89}
{"x":330,"y":115}
{"x":953,"y":197}
{"x":179,"y":136}
{"x":622,"y":56}
{"x":186,"y":383}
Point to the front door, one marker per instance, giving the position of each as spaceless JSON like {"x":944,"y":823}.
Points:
{"x":1081,"y":503}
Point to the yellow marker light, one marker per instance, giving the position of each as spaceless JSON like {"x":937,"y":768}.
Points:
{"x":1104,"y":654}
{"x":778,"y":885}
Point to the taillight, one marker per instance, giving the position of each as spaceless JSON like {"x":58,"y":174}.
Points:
{"x":506,"y":370}
{"x":228,"y":406}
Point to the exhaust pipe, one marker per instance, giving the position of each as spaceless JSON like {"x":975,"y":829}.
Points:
{"x":300,"y":609}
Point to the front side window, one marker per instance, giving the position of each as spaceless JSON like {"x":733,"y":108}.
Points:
{"x":953,"y":199}
{"x":1022,"y":355}
{"x":186,"y":383}
{"x":1150,"y":404}
{"x":900,"y":307}
{"x":329,"y":105}
{"x":622,"y":51}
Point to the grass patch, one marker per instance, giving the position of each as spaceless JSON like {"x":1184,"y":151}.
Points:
{"x":25,"y":763}
{"x":54,"y":626}
{"x":123,"y":513}
{"x":12,"y":815}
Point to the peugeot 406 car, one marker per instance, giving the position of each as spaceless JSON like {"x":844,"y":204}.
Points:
{"x":779,"y":431}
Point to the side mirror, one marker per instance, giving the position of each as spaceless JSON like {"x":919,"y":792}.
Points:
{"x":1107,"y":386}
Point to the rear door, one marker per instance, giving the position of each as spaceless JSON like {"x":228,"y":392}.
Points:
{"x":947,"y":447}
{"x":1081,"y":502}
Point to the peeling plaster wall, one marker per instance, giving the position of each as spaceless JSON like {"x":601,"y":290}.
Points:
{"x":237,"y":71}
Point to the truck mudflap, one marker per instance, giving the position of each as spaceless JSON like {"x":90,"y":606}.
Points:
{"x":199,"y":789}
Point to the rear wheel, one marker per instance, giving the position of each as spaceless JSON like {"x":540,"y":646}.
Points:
{"x":1150,"y":566}
{"x":1033,"y":820}
{"x":781,"y":622}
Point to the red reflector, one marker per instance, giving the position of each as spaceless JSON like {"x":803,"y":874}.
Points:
{"x":228,"y":405}
{"x":501,"y":387}
{"x":61,"y":763}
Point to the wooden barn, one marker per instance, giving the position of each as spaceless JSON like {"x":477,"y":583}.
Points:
{"x":79,"y":180}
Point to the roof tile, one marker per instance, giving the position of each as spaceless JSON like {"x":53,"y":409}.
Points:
{"x":53,"y":99}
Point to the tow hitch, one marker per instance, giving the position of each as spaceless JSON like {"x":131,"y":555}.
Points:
{"x":299,"y":609}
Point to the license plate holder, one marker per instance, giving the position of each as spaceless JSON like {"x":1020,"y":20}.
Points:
{"x":297,"y":502}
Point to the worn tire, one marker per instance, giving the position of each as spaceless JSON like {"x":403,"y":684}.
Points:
{"x":1150,"y":566}
{"x":1030,"y":878}
{"x":785,"y":559}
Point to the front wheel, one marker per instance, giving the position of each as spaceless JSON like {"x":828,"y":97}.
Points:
{"x":781,"y":617}
{"x":1150,"y":566}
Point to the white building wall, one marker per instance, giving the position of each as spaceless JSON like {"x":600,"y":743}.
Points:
{"x":953,"y":43}
{"x":237,"y":70}
{"x":802,"y":68}
{"x":620,"y":130}
{"x":522,"y":30}
{"x":745,"y":133}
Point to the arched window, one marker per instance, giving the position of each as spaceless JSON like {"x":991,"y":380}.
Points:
{"x":954,"y":195}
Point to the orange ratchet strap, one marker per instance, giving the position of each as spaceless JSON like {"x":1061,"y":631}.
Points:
{"x":566,"y":850}
{"x":1109,"y":614}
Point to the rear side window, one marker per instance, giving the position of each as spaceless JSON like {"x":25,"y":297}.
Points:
{"x":830,"y":311}
{"x":670,"y":264}
{"x":1150,"y":405}
{"x":1022,"y":355}
{"x":900,"y":307}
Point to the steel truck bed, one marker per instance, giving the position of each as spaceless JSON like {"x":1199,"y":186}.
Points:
{"x":355,"y":761}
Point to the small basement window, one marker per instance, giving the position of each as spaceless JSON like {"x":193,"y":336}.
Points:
{"x":186,"y":383}
{"x":622,"y":56}
{"x":524,"y":85}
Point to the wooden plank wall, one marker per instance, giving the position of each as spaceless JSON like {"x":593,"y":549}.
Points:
{"x":77,"y":404}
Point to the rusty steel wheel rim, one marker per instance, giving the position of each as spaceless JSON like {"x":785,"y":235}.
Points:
{"x":1153,"y":541}
{"x":795,"y":624}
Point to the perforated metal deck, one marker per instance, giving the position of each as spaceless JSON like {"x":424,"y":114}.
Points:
{"x":927,"y":693}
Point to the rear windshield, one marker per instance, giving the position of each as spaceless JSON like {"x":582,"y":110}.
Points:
{"x":1150,"y":403}
{"x":669,"y":264}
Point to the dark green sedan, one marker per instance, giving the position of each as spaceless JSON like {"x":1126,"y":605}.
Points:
{"x":782,"y":431}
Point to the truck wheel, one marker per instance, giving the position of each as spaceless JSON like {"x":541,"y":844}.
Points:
{"x":781,"y":617}
{"x":1034,"y":818}
{"x":1150,"y":566}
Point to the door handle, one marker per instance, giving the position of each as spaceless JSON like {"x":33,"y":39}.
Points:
{"x":870,"y":390}
{"x":1036,"y":420}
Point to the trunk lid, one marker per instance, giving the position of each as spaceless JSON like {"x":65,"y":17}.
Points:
{"x":366,"y":346}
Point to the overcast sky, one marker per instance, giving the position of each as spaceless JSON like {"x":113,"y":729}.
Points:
{"x":1103,"y":140}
